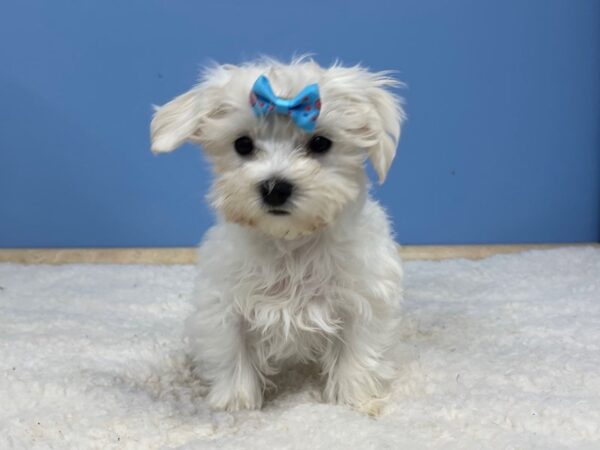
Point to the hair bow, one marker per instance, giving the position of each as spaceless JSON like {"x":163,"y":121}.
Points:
{"x":303,"y":109}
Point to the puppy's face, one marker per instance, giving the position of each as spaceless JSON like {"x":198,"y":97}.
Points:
{"x":270,"y":173}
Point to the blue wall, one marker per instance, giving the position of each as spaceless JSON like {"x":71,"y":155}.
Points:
{"x":502,"y":142}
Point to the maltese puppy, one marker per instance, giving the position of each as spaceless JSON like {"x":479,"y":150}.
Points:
{"x":301,"y":265}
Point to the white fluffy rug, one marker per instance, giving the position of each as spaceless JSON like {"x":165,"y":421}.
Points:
{"x":500,"y":353}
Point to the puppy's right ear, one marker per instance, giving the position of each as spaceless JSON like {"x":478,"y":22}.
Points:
{"x":175,"y":122}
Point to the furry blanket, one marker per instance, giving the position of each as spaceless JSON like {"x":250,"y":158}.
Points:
{"x":499,"y":353}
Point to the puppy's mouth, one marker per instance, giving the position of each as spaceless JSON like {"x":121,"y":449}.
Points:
{"x":278,"y":212}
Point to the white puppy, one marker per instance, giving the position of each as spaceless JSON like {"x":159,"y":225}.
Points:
{"x":301,"y":266}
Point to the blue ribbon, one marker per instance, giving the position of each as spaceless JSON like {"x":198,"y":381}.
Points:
{"x":303,"y":109}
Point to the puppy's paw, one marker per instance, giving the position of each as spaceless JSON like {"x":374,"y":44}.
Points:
{"x":226,"y":396}
{"x":372,"y":407}
{"x":366,"y":397}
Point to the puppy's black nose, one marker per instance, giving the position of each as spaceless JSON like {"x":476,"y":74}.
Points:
{"x":275,"y":191}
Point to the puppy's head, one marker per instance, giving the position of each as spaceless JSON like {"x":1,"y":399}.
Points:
{"x":270,"y":173}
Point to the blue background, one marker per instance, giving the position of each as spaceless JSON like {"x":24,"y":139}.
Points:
{"x":502,"y":142}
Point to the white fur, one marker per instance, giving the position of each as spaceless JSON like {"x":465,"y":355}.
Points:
{"x":321,"y":285}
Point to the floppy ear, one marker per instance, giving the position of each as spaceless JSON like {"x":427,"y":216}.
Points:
{"x":389,"y":117}
{"x":185,"y":117}
{"x":175,"y":122}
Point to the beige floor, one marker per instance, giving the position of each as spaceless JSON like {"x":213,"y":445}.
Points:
{"x":188,"y":255}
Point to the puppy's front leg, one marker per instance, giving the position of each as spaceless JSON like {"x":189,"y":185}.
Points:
{"x":226,"y":362}
{"x":238,"y":385}
{"x":358,"y":370}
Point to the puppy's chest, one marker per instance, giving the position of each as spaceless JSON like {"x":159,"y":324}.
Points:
{"x":289,"y":297}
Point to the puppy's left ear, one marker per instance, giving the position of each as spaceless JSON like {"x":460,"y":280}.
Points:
{"x":175,"y":122}
{"x":185,"y":117}
{"x":386,"y":123}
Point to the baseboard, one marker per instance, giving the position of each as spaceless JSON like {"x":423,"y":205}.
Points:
{"x":188,"y":255}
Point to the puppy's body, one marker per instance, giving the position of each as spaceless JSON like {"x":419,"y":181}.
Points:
{"x":332,"y":298}
{"x":318,"y":279}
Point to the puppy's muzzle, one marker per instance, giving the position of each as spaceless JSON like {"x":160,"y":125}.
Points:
{"x":275,"y":192}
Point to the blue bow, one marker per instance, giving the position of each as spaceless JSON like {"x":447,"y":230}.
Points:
{"x":303,"y":109}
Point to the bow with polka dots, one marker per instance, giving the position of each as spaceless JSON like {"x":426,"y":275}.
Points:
{"x":303,"y":109}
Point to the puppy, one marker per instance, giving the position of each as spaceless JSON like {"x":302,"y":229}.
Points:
{"x":301,"y":265}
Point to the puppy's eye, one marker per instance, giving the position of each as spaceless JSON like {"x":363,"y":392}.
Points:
{"x":319,"y":144}
{"x":243,"y":145}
